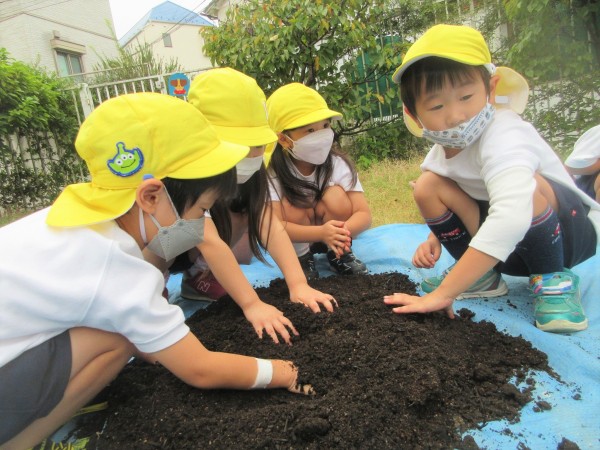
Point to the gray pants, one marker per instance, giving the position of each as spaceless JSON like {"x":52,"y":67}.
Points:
{"x":33,"y":384}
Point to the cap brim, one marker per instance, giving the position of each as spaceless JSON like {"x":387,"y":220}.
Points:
{"x":85,"y":204}
{"x":250,"y":136}
{"x":79,"y":205}
{"x":269,"y":149}
{"x":405,"y":65}
{"x":315,"y":116}
{"x":220,"y":159}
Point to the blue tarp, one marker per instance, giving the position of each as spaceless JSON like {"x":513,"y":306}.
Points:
{"x":575,"y":400}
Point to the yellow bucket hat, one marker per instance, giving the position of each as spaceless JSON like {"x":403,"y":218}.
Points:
{"x":134,"y":135}
{"x":465,"y":45}
{"x":295,"y":105}
{"x":234,"y":105}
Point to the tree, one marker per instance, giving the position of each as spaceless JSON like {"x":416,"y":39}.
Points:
{"x":553,"y":39}
{"x":555,"y":44}
{"x":320,"y":43}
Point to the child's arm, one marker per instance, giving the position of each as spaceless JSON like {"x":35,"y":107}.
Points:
{"x":281,"y":249}
{"x":361,"y":219}
{"x":428,"y":252}
{"x":332,"y":232}
{"x":226,"y":270}
{"x":191,"y":362}
{"x":469,"y":268}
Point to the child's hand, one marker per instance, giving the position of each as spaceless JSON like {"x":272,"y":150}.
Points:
{"x":311,"y":298}
{"x":266,"y":317}
{"x":427,"y":254}
{"x":336,"y":236}
{"x":286,"y":373}
{"x":415,"y":304}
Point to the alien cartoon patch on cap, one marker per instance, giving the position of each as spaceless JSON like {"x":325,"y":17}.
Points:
{"x":126,"y":162}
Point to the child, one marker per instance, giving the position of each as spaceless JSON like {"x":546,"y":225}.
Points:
{"x":77,"y":298}
{"x":584,"y":162}
{"x":234,"y":104}
{"x":492,"y":191}
{"x":314,"y":188}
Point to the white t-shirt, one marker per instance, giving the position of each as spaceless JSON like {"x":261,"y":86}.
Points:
{"x":54,"y":279}
{"x":341,"y":176}
{"x":499,"y":168}
{"x":586,"y":150}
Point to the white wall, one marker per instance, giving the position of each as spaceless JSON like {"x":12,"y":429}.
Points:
{"x":219,"y":8}
{"x":26,"y":30}
{"x":186,"y":40}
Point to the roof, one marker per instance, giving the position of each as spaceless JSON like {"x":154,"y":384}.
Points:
{"x":167,"y":12}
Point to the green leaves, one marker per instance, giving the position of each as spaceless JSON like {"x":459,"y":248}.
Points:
{"x":38,"y":125}
{"x":315,"y":42}
{"x":30,"y":98}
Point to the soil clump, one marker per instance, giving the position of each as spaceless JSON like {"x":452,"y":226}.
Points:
{"x":382,"y":381}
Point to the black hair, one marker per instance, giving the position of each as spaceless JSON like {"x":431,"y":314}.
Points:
{"x":185,"y":193}
{"x":431,"y":73}
{"x":250,"y":199}
{"x":297,"y":191}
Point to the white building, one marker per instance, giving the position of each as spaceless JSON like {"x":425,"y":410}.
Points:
{"x":63,"y":36}
{"x":218,"y":8}
{"x":173,"y":32}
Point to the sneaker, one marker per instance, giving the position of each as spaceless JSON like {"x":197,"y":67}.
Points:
{"x":198,"y":288}
{"x":490,"y":284}
{"x":347,"y":264}
{"x":557,"y":306}
{"x":307,"y":262}
{"x":318,"y":247}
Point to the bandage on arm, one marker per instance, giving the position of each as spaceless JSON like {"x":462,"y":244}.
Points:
{"x":264,"y":374}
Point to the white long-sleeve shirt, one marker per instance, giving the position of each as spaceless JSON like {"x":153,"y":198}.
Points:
{"x":500,"y":168}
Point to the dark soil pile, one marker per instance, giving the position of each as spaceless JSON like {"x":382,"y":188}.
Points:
{"x":383,"y":381}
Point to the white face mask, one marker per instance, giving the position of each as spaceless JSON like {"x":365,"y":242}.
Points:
{"x":173,"y":240}
{"x":314,"y":147}
{"x":464,"y":134}
{"x":248,"y":167}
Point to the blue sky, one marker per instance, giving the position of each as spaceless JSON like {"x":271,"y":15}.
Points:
{"x":126,"y":13}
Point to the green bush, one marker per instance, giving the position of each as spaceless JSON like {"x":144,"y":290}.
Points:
{"x":37,"y":113}
{"x":390,"y":141}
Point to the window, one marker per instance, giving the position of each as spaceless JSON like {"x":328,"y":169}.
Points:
{"x":167,"y":40}
{"x":68,"y":63}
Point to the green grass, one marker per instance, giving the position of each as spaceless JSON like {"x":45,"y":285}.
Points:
{"x":11,"y":216}
{"x":386,"y":188}
{"x":388,"y":193}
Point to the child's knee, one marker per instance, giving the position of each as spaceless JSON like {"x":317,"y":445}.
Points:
{"x":427,"y":186}
{"x":335,"y":203}
{"x":294,"y":214}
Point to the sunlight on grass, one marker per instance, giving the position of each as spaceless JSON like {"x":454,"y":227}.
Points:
{"x":388,"y":193}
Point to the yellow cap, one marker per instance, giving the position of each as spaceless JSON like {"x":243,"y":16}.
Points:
{"x":134,"y":135}
{"x":295,"y":105}
{"x":465,"y":45}
{"x":234,"y":105}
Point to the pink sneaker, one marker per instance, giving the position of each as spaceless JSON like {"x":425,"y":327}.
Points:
{"x":198,"y":288}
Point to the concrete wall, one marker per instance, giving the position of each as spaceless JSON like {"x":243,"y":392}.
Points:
{"x":84,"y":26}
{"x":187,"y":44}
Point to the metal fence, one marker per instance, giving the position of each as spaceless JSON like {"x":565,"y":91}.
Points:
{"x":86,"y":97}
{"x":34,"y":168}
